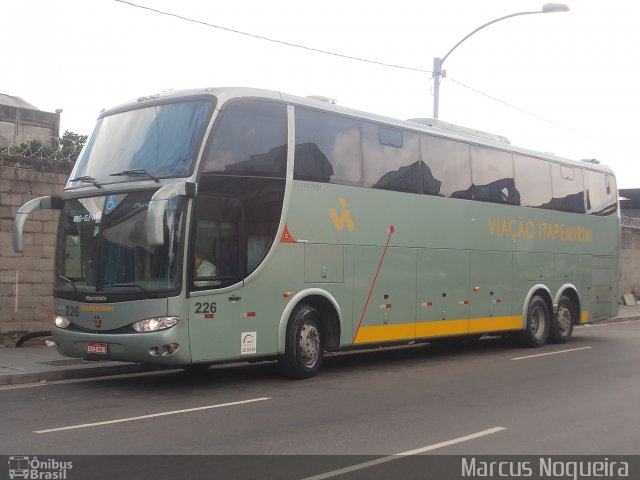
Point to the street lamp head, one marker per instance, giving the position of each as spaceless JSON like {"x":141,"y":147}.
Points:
{"x":555,"y":7}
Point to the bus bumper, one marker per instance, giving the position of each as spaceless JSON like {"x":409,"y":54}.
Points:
{"x":166,"y":347}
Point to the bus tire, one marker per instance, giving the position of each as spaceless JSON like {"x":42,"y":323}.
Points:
{"x":562,"y":323}
{"x":304,"y":345}
{"x":536,"y":330}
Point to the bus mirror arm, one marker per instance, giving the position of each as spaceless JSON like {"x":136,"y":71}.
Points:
{"x":158,"y":205}
{"x":40,"y":203}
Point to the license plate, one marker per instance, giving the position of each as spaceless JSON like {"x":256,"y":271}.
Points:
{"x":99,"y":348}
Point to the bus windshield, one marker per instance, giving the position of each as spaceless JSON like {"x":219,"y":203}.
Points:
{"x":158,"y":140}
{"x":102,"y":246}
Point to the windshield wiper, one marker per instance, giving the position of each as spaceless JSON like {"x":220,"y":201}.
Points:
{"x":126,"y":285}
{"x":136,"y":171}
{"x":87,"y":179}
{"x":68,"y":280}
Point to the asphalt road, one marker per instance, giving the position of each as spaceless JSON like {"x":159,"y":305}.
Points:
{"x":488,"y":398}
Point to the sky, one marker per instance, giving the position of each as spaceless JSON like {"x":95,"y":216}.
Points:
{"x":565,"y":83}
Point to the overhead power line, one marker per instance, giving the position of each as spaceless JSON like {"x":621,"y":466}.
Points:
{"x":521,"y":110}
{"x":348,"y":57}
{"x":273,"y":40}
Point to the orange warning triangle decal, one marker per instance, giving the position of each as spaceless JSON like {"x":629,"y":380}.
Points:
{"x":286,"y":236}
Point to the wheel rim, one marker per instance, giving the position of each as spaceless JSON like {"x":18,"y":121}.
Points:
{"x":309,"y":344}
{"x":564,"y":320}
{"x":538,"y":322}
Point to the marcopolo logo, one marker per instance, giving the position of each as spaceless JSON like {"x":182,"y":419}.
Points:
{"x":38,"y":469}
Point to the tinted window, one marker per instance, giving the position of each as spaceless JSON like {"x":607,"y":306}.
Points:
{"x":600,"y":193}
{"x":161,"y":139}
{"x":533,"y":181}
{"x":216,"y":256}
{"x":390,"y":158}
{"x":250,"y":138}
{"x":446,"y":168}
{"x":568,"y":188}
{"x":234,"y":229}
{"x":102,"y":246}
{"x":327,"y":148}
{"x":492,"y":174}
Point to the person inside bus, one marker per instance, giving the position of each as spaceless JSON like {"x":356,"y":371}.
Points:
{"x":203,"y":268}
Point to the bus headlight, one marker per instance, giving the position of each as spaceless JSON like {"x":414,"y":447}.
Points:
{"x":154,"y":324}
{"x":61,"y":322}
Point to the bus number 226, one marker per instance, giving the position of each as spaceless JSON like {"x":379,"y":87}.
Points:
{"x":205,"y":307}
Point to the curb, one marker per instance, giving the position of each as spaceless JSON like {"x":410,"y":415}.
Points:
{"x":634,"y":318}
{"x":76,"y":373}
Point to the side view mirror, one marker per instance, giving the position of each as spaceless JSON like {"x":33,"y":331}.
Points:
{"x":40,"y":203}
{"x":157,"y":207}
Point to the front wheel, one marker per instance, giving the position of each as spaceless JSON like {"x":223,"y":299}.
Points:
{"x":304,"y":348}
{"x":536,"y":331}
{"x":562,"y":324}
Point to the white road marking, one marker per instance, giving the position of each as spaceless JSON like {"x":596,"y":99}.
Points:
{"x":400,"y":455}
{"x":591,"y":325}
{"x":153,"y":415}
{"x":551,"y":353}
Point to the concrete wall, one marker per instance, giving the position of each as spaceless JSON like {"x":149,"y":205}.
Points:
{"x":630,"y":257}
{"x":630,"y":262}
{"x":19,"y":125}
{"x":26,"y":280}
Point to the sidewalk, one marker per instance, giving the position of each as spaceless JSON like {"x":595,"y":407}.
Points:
{"x":44,"y":364}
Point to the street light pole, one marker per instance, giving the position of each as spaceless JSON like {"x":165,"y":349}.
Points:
{"x":438,"y":73}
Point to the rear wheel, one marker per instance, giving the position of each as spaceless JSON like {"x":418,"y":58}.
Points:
{"x":304,"y":348}
{"x":562,"y":324}
{"x":536,"y":331}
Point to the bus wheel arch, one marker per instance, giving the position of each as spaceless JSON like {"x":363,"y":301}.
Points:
{"x":319,"y":307}
{"x":537,"y":317}
{"x":566,"y":314}
{"x":569,"y":291}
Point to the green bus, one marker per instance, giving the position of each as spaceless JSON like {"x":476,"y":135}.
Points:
{"x":234,"y":224}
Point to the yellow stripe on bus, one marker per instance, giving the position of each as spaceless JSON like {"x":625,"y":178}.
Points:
{"x":386,"y":333}
{"x":584,"y":317}
{"x":437,"y":329}
{"x":493,"y":324}
{"x":409,"y":331}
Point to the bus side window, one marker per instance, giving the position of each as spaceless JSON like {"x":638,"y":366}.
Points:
{"x":533,"y":181}
{"x":204,"y":258}
{"x":216,"y":254}
{"x":391,"y":158}
{"x":568,"y":188}
{"x":446,"y":168}
{"x":327,"y":148}
{"x":492,"y":175}
{"x":250,"y":138}
{"x":599,"y":196}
